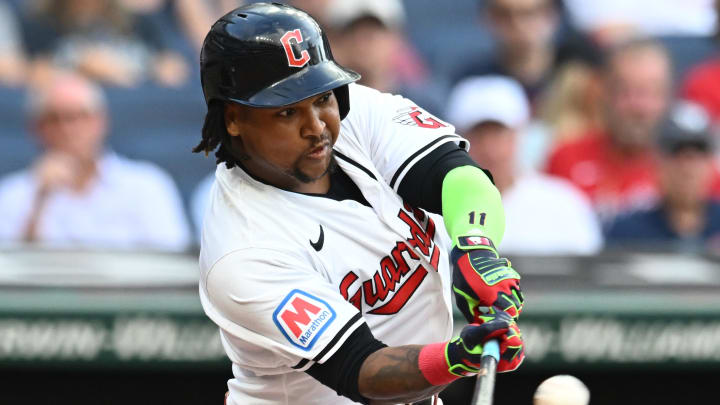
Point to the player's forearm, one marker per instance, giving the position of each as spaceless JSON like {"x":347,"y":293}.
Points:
{"x":471,"y":204}
{"x":391,"y":375}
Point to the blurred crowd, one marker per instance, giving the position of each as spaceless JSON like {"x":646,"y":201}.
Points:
{"x":597,"y":119}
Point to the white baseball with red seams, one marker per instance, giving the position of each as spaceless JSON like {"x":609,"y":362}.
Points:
{"x":288,"y":277}
{"x":561,"y":390}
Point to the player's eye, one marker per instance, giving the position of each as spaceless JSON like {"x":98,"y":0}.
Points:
{"x":286,"y":112}
{"x":325,"y":97}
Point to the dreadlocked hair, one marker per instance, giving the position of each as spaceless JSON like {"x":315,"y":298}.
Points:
{"x":215,"y":135}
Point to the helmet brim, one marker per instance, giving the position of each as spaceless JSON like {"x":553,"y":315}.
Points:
{"x":308,"y":82}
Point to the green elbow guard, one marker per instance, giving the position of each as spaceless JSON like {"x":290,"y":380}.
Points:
{"x":471,"y":205}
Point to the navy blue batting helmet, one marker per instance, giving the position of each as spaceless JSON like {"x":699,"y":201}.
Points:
{"x":270,"y":55}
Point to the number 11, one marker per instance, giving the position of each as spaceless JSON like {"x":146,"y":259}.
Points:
{"x":481,"y":219}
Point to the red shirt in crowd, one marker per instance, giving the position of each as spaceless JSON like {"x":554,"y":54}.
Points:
{"x":614,"y":182}
{"x":702,"y":85}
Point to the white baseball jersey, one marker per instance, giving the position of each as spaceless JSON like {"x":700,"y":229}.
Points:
{"x":288,"y":276}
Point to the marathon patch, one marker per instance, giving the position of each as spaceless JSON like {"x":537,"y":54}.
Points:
{"x":302,"y":318}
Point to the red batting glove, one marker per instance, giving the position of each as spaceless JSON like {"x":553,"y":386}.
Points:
{"x":482,"y":279}
{"x":441,"y":363}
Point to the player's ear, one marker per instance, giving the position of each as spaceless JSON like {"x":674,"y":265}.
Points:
{"x":234,"y":116}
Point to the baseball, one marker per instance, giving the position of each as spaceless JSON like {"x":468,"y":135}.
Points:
{"x":561,"y":390}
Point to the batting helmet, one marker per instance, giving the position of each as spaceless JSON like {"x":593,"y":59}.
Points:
{"x":270,"y":55}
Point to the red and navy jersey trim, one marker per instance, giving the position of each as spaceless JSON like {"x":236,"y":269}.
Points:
{"x":333,"y":342}
{"x":412,"y":157}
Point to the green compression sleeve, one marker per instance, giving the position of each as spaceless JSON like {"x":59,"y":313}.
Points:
{"x":471,"y":205}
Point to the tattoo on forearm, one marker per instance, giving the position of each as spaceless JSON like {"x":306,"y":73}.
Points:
{"x":393,"y":373}
{"x":397,"y":367}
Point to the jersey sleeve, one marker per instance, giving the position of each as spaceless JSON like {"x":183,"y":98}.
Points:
{"x":276,"y":305}
{"x":394,"y":132}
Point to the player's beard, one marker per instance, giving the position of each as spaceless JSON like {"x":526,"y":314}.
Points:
{"x":304,"y":178}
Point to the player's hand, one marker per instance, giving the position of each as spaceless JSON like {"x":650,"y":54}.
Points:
{"x":481,"y":279}
{"x":463,"y":353}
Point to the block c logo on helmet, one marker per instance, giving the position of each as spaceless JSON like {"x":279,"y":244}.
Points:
{"x":304,"y":55}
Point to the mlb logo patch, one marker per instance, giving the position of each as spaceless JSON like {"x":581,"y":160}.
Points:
{"x":302,"y":318}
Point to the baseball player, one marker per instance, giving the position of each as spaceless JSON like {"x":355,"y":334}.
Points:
{"x":325,"y":256}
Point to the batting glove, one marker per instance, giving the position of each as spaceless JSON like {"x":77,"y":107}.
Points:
{"x":512,"y":348}
{"x":442,"y":363}
{"x":481,"y":279}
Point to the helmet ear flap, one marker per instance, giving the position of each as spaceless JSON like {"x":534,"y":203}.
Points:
{"x":342,"y":94}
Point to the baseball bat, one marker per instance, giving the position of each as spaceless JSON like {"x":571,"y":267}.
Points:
{"x":485,"y":382}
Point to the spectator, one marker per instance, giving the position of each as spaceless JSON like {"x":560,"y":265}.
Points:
{"x":316,"y":8}
{"x":367,"y":37}
{"x":685,"y":219}
{"x":78,"y":194}
{"x":100,"y":39}
{"x":528,"y":47}
{"x":196,"y":16}
{"x":192,"y":18}
{"x":616,"y":166}
{"x":702,"y":83}
{"x":12,"y":58}
{"x":571,"y":104}
{"x":612,"y":20}
{"x":545,"y":215}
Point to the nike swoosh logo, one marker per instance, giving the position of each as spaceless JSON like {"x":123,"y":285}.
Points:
{"x":319,"y":244}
